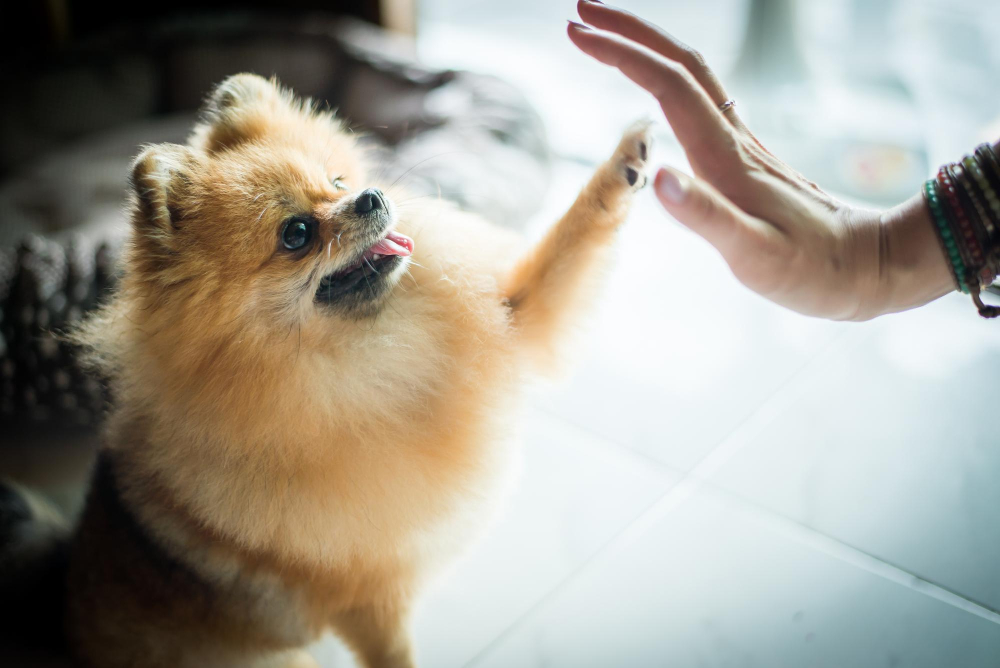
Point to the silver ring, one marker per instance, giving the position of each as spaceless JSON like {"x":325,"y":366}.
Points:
{"x":727,"y":105}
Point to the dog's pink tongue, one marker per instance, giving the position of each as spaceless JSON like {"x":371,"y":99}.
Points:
{"x":393,"y":244}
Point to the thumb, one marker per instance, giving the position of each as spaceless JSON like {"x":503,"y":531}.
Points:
{"x":706,"y":211}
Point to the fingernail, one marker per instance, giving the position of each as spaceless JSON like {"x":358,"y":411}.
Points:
{"x":671,"y":187}
{"x":579,"y":26}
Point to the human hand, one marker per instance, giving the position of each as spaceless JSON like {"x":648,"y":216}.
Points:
{"x":781,"y":235}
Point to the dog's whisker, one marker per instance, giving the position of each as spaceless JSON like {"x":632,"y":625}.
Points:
{"x":433,"y":157}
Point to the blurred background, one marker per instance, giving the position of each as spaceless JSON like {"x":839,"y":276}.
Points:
{"x":861,"y":95}
{"x":714,"y":481}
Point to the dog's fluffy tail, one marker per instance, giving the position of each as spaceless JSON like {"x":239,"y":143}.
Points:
{"x":34,"y":541}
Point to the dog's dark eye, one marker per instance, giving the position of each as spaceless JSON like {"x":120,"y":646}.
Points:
{"x":297,"y":233}
{"x":338,"y":183}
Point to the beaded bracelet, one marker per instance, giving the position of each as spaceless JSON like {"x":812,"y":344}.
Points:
{"x":968,"y":245}
{"x":945,"y":236}
{"x":990,"y":164}
{"x":967,"y":210}
{"x":988,"y":192}
{"x":964,"y":202}
{"x":973,"y":198}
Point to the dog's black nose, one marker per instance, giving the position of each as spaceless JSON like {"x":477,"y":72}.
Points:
{"x":370,"y":200}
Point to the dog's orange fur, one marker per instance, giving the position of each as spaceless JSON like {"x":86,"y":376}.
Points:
{"x":316,"y":464}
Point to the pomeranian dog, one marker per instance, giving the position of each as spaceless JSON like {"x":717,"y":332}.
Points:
{"x":313,"y":389}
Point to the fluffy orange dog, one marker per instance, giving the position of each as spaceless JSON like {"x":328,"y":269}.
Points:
{"x":312,"y":390}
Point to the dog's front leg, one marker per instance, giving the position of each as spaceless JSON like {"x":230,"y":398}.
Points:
{"x":378,"y":634}
{"x":548,"y":284}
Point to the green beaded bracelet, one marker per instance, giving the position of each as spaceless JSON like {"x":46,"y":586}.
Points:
{"x":945,"y":236}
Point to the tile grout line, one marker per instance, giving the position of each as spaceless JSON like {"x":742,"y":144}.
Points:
{"x":642,"y":458}
{"x":858,"y":558}
{"x":691,"y":482}
{"x":776,"y":405}
{"x":633,"y":456}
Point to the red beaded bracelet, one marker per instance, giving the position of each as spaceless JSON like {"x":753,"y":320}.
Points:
{"x":970,"y":223}
{"x":967,"y":244}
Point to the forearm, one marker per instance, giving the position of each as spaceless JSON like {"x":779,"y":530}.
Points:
{"x":915,"y":269}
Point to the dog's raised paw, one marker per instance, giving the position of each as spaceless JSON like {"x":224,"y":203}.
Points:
{"x":633,"y":152}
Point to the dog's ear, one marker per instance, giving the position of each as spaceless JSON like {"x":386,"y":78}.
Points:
{"x":235,"y":111}
{"x":239,"y":92}
{"x":159,"y":182}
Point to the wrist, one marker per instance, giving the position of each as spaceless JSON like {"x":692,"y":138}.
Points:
{"x":913,"y":269}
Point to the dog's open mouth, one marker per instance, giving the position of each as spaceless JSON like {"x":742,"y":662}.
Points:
{"x":366,"y":274}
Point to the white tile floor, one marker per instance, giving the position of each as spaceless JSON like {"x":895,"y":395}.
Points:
{"x":711,"y":584}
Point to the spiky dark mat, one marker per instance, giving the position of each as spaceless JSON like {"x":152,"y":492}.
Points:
{"x":45,"y":287}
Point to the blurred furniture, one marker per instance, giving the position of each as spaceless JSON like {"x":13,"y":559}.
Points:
{"x":52,"y":24}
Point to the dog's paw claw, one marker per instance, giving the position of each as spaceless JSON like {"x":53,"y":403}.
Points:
{"x":633,"y":152}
